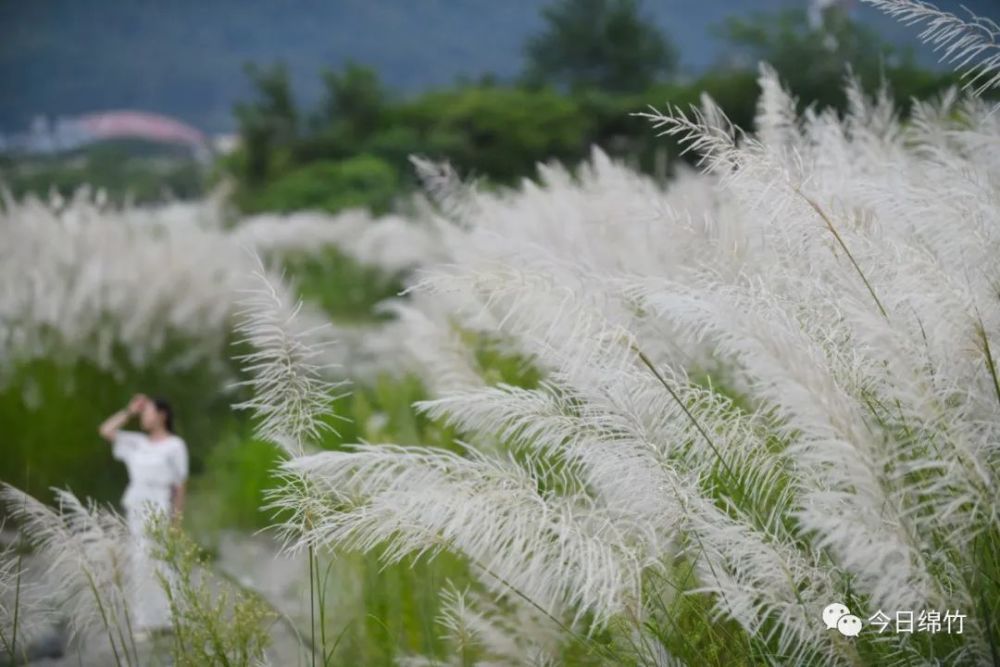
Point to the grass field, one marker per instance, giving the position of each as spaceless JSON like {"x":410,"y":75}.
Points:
{"x":596,"y":419}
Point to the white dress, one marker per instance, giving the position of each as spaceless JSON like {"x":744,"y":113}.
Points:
{"x":155,"y":468}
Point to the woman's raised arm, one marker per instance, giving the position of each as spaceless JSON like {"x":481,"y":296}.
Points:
{"x":109,"y":427}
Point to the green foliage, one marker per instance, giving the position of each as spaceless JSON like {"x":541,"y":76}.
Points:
{"x":357,"y":151}
{"x":239,"y":471}
{"x":212,"y":624}
{"x":605,"y":62}
{"x":376,"y":614}
{"x":268,"y":121}
{"x":499,"y":133}
{"x":231,"y":492}
{"x":498,"y":366}
{"x":811,"y":60}
{"x":356,"y":182}
{"x":616,"y":129}
{"x":604,"y":44}
{"x":354,"y":100}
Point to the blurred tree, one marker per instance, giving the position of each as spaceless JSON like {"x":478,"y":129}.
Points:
{"x":360,"y":181}
{"x":498,"y":133}
{"x":615,"y":128}
{"x":353,"y":100}
{"x":603,"y":44}
{"x":813,"y":57}
{"x":269,"y":121}
{"x":602,"y":50}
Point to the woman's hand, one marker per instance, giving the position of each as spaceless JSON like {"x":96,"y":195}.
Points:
{"x":109,"y":429}
{"x":136,"y":404}
{"x":177,"y":500}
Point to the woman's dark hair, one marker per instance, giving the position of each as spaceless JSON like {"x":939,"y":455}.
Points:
{"x":163,"y":407}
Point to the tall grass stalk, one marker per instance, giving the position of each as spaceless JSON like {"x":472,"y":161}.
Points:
{"x":744,"y":412}
{"x":86,"y":577}
{"x":10,"y":570}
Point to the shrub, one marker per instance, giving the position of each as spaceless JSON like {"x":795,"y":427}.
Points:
{"x":332,"y":186}
{"x":499,"y":133}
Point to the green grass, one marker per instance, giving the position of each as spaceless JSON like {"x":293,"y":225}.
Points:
{"x":239,"y":470}
{"x":381,"y":613}
{"x":344,"y":288}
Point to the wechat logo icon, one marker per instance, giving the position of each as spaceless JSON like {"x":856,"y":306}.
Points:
{"x":838,"y":616}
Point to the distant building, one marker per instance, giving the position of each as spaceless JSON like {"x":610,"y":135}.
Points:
{"x":66,"y":134}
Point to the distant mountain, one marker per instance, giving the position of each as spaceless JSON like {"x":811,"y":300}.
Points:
{"x":185,"y":57}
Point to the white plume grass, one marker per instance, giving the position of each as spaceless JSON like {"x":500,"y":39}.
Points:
{"x":114,"y":286}
{"x":291,"y":395}
{"x":25,"y":613}
{"x":87,"y":551}
{"x":778,"y":376}
{"x":971,"y":45}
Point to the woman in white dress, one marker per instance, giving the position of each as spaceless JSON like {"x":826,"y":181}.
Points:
{"x":157,"y":463}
